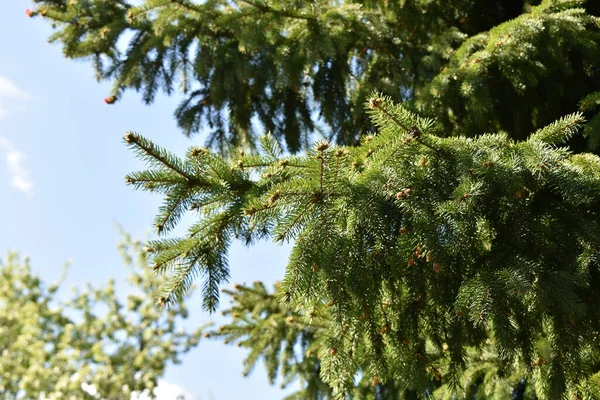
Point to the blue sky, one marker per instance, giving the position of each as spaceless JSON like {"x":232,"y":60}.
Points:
{"x":62,"y":168}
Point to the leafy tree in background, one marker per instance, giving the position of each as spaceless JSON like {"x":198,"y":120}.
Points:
{"x":93,"y":346}
{"x":424,"y":263}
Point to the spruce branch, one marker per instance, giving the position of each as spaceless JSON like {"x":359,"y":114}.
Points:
{"x":559,"y":132}
{"x":380,"y":265}
{"x":590,"y":102}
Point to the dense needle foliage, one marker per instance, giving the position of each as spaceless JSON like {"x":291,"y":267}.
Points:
{"x":447,"y":246}
{"x":416,"y":247}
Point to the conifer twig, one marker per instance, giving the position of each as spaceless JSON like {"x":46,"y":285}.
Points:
{"x":283,"y":13}
{"x":414,"y":132}
{"x":132,"y":138}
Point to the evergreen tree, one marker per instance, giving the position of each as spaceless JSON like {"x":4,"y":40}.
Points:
{"x":429,"y":259}
{"x":93,"y":346}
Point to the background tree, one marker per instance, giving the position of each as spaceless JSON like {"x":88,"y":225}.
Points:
{"x":93,"y":346}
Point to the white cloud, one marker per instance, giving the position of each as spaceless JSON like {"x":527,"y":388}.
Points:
{"x":20,"y":176}
{"x":9,"y":92}
{"x":166,"y":391}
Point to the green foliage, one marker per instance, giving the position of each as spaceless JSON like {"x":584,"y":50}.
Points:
{"x":295,"y":68}
{"x":93,"y":346}
{"x":416,"y":248}
{"x":530,"y":70}
{"x":431,"y":259}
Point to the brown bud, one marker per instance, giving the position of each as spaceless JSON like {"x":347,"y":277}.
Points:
{"x":403,"y":230}
{"x":422,"y":162}
{"x":375,"y":381}
{"x":399,"y":195}
{"x":539,"y":361}
{"x":375,"y":102}
{"x":315,"y":267}
{"x":411,"y":262}
{"x":130,"y":137}
{"x":333,"y":351}
{"x":322,"y":146}
{"x":274,"y":196}
{"x":437,"y":267}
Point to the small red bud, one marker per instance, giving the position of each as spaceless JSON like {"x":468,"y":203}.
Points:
{"x":30,"y":13}
{"x":110,"y":99}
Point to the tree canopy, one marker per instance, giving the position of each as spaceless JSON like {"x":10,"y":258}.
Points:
{"x":93,"y":345}
{"x":295,"y":67}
